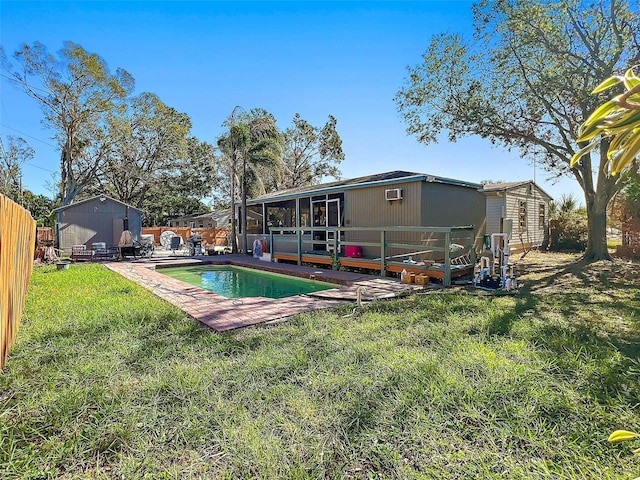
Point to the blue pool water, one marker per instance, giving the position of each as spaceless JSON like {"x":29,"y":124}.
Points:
{"x":238,"y":282}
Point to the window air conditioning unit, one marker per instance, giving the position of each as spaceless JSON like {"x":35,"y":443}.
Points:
{"x":393,"y":194}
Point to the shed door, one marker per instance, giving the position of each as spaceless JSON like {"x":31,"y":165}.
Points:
{"x":118,"y":228}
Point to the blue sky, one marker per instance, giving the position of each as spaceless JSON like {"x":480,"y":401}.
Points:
{"x":346,"y":59}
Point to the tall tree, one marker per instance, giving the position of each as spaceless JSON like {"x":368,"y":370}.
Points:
{"x":262,"y":151}
{"x":40,"y":207}
{"x":179,"y":190}
{"x":74,"y":91}
{"x":12,"y":156}
{"x":310,"y":153}
{"x":146,"y":140}
{"x":231,"y":144}
{"x":252,"y":143}
{"x":524,"y":81}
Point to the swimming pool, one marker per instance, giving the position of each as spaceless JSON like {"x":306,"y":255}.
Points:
{"x":237,"y":282}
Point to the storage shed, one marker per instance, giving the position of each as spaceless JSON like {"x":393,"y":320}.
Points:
{"x":520,"y":209}
{"x":97,"y":219}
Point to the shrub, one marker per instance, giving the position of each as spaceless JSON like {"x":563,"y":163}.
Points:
{"x":568,"y":225}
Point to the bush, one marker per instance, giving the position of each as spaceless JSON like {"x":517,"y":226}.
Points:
{"x":568,"y":225}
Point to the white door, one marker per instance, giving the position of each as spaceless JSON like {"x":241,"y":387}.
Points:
{"x":333,"y":220}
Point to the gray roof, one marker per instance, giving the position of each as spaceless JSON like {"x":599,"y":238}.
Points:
{"x":502,"y":187}
{"x":386,"y":178}
{"x":194,"y":215}
{"x":221,"y":217}
{"x":87,"y":200}
{"x":497,"y":187}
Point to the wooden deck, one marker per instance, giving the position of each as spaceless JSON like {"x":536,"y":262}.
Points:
{"x":454,"y":246}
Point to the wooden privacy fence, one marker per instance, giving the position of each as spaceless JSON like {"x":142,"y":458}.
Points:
{"x":210,"y":236}
{"x":17,"y":244}
{"x":630,"y":247}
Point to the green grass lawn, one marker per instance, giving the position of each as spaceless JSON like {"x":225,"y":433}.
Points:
{"x":107,"y":381}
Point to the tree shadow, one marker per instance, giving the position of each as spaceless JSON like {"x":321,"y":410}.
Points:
{"x":566,"y":296}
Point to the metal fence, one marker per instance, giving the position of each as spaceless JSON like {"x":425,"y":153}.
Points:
{"x":17,"y":244}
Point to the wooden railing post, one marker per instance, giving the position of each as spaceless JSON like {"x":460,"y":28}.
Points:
{"x":272,"y":248}
{"x":383,"y":253}
{"x":336,"y":254}
{"x":446,"y":281}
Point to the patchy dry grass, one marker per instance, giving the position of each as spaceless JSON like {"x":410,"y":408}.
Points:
{"x":107,"y":381}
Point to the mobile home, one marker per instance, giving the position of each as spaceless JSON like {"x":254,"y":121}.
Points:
{"x":396,"y":198}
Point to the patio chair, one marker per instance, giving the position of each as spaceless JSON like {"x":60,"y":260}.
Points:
{"x":176,"y":243}
{"x":80,"y":252}
{"x":146,"y":245}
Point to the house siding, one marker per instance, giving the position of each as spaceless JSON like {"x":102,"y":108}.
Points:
{"x":451,"y":205}
{"x":532,"y":234}
{"x":367,"y":207}
{"x":495,"y":212}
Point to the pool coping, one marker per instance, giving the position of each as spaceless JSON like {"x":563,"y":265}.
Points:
{"x":222,"y":314}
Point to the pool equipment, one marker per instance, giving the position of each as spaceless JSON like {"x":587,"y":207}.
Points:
{"x":495,"y":272}
{"x":360,"y":291}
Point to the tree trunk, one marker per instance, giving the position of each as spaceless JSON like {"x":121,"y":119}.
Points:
{"x":546,"y":240}
{"x":234,"y":243}
{"x":234,"y":229}
{"x":597,"y":222}
{"x":597,"y":199}
{"x":245,"y":247}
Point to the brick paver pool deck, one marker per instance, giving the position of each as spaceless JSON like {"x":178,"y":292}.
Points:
{"x":221,"y":313}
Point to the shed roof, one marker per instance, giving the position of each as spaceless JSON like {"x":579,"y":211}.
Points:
{"x":502,"y":187}
{"x":386,"y":178}
{"x":87,"y":200}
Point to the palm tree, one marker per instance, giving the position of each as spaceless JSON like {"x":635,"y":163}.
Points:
{"x":263,"y":149}
{"x":253,"y":141}
{"x":231,"y":144}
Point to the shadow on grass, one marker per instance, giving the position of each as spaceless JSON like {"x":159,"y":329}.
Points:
{"x":575,"y":315}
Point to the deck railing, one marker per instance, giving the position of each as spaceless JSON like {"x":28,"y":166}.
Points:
{"x":17,"y":244}
{"x":440,"y":242}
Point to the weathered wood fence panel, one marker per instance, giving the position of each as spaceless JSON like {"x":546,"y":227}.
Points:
{"x":17,"y":244}
{"x":210,"y":235}
{"x":630,"y":247}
